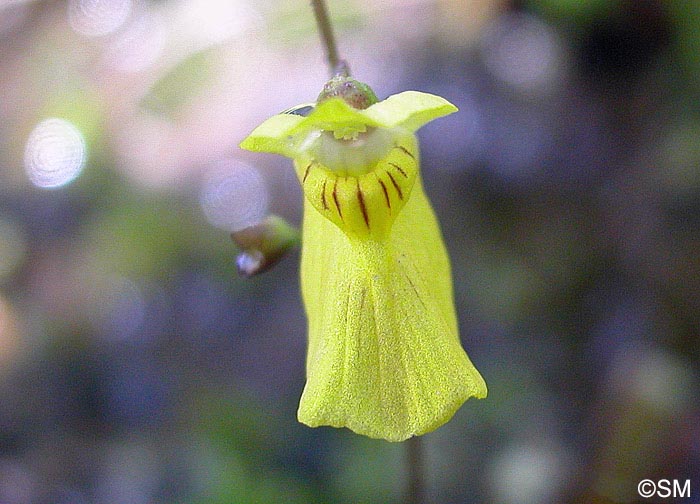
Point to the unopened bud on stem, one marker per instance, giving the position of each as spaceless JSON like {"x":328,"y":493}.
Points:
{"x":263,"y":244}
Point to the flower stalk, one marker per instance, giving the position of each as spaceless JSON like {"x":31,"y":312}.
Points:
{"x":325,"y":29}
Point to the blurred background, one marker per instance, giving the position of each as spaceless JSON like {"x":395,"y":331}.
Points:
{"x":136,"y":367}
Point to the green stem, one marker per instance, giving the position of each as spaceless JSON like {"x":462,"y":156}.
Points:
{"x":336,"y":65}
{"x":416,"y":480}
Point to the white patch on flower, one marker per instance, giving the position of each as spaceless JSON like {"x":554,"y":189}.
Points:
{"x":355,"y":156}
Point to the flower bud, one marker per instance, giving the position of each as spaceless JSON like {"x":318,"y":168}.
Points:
{"x":263,"y":245}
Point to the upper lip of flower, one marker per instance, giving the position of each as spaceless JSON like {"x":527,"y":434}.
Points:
{"x":336,"y":116}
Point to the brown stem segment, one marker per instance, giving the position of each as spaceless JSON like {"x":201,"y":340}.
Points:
{"x":416,"y":479}
{"x":326,"y":30}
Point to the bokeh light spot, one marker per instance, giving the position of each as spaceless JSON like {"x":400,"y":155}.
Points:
{"x":528,"y":474}
{"x":55,"y":153}
{"x":138,"y":45}
{"x":523,"y":52}
{"x":95,"y":18}
{"x":665,"y":383}
{"x":215,"y":21}
{"x":234,"y":196}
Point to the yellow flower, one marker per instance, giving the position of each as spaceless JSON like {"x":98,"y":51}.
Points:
{"x":384,"y":355}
